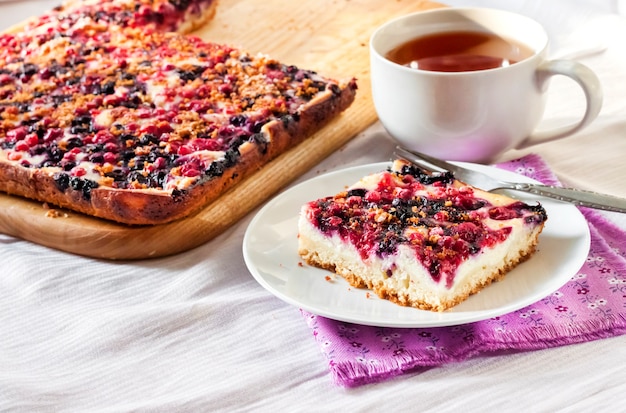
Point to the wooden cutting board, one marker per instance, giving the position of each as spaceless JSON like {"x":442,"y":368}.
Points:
{"x":329,"y":36}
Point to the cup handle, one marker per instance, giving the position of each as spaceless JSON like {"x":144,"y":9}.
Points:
{"x":590,"y":84}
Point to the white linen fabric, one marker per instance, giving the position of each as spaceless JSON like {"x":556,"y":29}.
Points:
{"x":196,"y":333}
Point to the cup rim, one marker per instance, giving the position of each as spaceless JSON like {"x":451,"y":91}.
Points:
{"x":537,"y":51}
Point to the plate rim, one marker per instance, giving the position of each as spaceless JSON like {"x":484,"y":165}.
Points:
{"x":438,"y":319}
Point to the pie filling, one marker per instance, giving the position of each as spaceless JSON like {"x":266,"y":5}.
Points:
{"x":443,"y":222}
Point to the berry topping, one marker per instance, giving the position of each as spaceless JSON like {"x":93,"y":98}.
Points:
{"x":107,"y":90}
{"x":444,"y":224}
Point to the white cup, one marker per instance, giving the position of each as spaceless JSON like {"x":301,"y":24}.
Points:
{"x":471,"y":116}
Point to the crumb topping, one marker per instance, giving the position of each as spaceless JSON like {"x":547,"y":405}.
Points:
{"x":104,"y":93}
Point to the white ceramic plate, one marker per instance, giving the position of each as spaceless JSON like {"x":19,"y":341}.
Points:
{"x":270,"y":249}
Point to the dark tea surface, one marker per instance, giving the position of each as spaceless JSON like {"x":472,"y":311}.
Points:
{"x":460,"y":51}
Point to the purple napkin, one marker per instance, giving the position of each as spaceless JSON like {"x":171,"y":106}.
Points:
{"x":591,"y":305}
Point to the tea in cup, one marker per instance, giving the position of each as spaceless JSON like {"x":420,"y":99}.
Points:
{"x":468,"y":84}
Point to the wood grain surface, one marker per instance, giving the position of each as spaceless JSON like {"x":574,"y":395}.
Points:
{"x":329,"y":36}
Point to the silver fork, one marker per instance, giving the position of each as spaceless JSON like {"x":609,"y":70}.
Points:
{"x":485,"y":182}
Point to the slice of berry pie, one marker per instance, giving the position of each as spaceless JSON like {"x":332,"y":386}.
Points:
{"x":426,"y":241}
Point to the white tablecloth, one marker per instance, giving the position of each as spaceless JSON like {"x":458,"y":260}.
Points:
{"x":195,"y":332}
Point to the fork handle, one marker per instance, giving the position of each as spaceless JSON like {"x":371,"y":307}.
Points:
{"x":575,"y":196}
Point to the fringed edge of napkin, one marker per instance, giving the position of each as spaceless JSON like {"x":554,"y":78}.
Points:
{"x":352,"y":374}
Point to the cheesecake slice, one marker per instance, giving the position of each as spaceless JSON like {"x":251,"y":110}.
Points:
{"x":423,"y":240}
